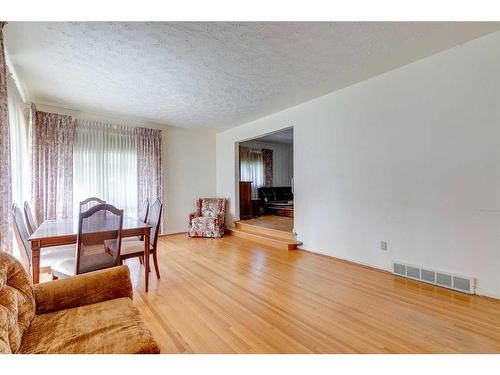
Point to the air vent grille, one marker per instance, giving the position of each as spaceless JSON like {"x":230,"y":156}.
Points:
{"x":428,"y":276}
{"x":400,"y":269}
{"x":461,"y":283}
{"x":413,"y":272}
{"x":444,"y":279}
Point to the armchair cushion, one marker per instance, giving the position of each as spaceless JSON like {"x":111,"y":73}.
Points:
{"x":204,"y":227}
{"x":84,"y":289}
{"x":210,"y":207}
{"x":113,"y":326}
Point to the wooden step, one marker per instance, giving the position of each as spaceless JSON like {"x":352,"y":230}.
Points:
{"x":263,"y":231}
{"x":276,"y":242}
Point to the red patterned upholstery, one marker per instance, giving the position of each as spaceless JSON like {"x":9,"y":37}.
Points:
{"x":209,"y":218}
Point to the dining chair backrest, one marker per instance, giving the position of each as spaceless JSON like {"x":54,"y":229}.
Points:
{"x":154,"y":219}
{"x":22,"y":236}
{"x":100,"y":225}
{"x":31,"y":224}
{"x":89,"y":203}
{"x":143,"y":215}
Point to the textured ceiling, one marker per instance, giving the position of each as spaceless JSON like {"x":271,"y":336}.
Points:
{"x":215,"y":75}
{"x":284,"y":136}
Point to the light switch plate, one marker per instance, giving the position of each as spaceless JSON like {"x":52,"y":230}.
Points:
{"x":383,"y":245}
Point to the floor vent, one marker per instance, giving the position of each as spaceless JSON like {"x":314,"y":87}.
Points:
{"x":447,"y":280}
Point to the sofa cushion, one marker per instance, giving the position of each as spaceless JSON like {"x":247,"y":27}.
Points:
{"x":267,"y":194}
{"x":113,"y":326}
{"x":275,"y":194}
{"x":17,"y":303}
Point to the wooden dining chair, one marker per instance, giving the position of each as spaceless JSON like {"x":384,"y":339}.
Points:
{"x":21,"y":235}
{"x":48,"y":256}
{"x":99,"y":230}
{"x":31,"y":223}
{"x":135,"y":247}
{"x":143,"y":216}
{"x":88,"y":203}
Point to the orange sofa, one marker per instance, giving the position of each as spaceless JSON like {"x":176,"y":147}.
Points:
{"x":88,"y":313}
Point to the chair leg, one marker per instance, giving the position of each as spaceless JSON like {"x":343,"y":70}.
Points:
{"x":157,"y":269}
{"x":141,"y":259}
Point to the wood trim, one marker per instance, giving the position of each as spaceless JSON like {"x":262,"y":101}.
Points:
{"x":345,"y":261}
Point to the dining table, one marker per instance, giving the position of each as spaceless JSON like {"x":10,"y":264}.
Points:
{"x":59,"y":232}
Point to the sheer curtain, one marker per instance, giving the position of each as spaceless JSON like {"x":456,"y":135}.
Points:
{"x":252,"y":168}
{"x":105,"y":165}
{"x":18,"y":120}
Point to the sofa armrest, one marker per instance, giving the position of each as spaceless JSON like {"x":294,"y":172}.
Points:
{"x":84,"y":289}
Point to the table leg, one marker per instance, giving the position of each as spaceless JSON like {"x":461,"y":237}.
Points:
{"x":146,"y":258}
{"x":35,"y":261}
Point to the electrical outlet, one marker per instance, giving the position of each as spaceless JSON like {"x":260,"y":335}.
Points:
{"x":383,"y":245}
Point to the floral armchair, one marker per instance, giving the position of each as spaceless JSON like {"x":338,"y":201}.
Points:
{"x":209,"y":218}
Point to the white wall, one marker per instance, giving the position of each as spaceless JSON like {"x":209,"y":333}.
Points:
{"x":188,"y":165}
{"x":411,"y":157}
{"x":282,"y":160}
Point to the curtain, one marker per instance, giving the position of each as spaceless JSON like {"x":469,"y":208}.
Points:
{"x":149,"y":165}
{"x":267,"y":156}
{"x":105,"y":165}
{"x":52,"y":165}
{"x":5,"y":166}
{"x":252,"y":168}
{"x":19,"y":120}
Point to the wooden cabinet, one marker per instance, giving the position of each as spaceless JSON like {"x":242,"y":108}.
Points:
{"x":245,"y":200}
{"x":256,"y":207}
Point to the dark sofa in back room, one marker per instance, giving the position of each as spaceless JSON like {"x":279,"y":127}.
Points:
{"x":279,"y":194}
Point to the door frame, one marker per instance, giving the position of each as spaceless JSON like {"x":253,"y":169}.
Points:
{"x":237,"y":167}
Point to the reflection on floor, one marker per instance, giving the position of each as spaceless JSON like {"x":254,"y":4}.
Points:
{"x":231,"y":296}
{"x":282,"y":223}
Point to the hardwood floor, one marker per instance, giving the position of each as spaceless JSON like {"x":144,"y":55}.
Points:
{"x":228,"y":296}
{"x":282,"y":223}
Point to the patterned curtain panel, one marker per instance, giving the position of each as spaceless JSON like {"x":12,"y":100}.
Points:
{"x":267,"y":155}
{"x":53,"y":137}
{"x":5,"y":170}
{"x":149,"y":166}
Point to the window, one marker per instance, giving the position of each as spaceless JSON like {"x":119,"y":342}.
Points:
{"x":252,"y":168}
{"x":18,"y":121}
{"x":105,"y":165}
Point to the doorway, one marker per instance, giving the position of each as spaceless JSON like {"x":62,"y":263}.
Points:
{"x":266,"y":175}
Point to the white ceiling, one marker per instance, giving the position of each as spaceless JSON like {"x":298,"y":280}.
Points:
{"x":212,"y":75}
{"x":282,"y":137}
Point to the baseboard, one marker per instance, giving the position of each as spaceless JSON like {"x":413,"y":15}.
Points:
{"x":483,"y":294}
{"x":170,"y":234}
{"x":350,"y":261}
{"x":478,"y":292}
